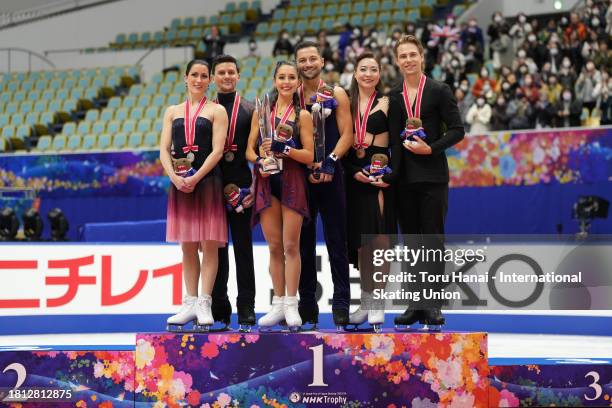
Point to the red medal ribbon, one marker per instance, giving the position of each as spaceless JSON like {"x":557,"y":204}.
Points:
{"x":361,"y":125}
{"x":231,"y":132}
{"x":283,"y":119}
{"x":301,"y":93}
{"x":419,"y":97}
{"x":190,"y":123}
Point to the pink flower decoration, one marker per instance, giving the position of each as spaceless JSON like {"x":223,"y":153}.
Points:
{"x":251,"y":338}
{"x":508,"y":399}
{"x":224,"y":400}
{"x":209,"y":350}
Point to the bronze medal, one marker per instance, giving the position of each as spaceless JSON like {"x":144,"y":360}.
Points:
{"x":360,"y":153}
{"x":229,"y":156}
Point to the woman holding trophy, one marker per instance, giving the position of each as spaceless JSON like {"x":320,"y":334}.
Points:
{"x":369,"y":199}
{"x":279,"y":155}
{"x":192,"y":140}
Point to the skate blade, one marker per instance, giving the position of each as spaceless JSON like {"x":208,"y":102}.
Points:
{"x":309,"y":326}
{"x":377,"y":327}
{"x":245,"y":328}
{"x":403,"y":328}
{"x":181,"y":328}
{"x":431,"y":327}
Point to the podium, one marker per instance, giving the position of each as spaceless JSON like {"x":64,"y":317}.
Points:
{"x":308,"y":369}
{"x":313,"y":369}
{"x":72,"y":376}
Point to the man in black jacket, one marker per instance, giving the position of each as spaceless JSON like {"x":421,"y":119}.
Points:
{"x":236,"y":171}
{"x":419,"y":165}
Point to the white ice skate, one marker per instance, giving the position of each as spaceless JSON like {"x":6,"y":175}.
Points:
{"x":360,"y":315}
{"x":186,"y":315}
{"x":204,"y":313}
{"x":292,"y":315}
{"x":274,"y":317}
{"x":376,"y":315}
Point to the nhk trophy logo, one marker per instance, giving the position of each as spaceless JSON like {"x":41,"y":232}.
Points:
{"x":295,"y":397}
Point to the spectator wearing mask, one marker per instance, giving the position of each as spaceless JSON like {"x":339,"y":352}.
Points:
{"x":442,"y":36}
{"x":473,"y":59}
{"x":603,"y":56}
{"x":523,"y":59}
{"x":530,"y":88}
{"x":479,"y":116}
{"x":500,"y":50}
{"x":347,"y":76}
{"x":388,"y":73}
{"x":535,"y":50}
{"x":544,"y":111}
{"x":519,"y":31}
{"x":472,"y":34}
{"x":553,"y":89}
{"x":283,"y":45}
{"x":544,"y":73}
{"x":588,"y":86}
{"x":450,"y":54}
{"x":499,"y":117}
{"x":553,"y":56}
{"x":453,"y":74}
{"x":253,"y":52}
{"x":520,"y":112}
{"x":507,"y":89}
{"x":484,"y":83}
{"x":463,"y":105}
{"x":567,"y":110}
{"x":567,"y":76}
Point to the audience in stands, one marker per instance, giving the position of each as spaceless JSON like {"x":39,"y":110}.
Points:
{"x":283,"y":45}
{"x":528,"y":65}
{"x":214,"y":44}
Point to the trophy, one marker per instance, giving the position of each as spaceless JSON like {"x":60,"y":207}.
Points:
{"x":269,"y":163}
{"x":318,"y":121}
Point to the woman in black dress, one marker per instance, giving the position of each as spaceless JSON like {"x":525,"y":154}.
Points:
{"x":369,"y":199}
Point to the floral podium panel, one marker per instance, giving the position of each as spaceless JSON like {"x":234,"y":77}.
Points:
{"x":551,"y":383}
{"x":66,"y":378}
{"x":313,"y":369}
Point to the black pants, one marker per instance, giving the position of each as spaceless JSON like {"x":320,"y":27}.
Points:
{"x":242,"y":240}
{"x":421,"y":209}
{"x":329,"y":200}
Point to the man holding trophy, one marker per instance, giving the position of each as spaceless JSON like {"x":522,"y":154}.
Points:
{"x":330,"y":107}
{"x":280,"y":143}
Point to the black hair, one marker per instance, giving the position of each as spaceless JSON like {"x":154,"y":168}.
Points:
{"x":296,"y":99}
{"x":354,"y":89}
{"x":193,"y":62}
{"x":306,"y":44}
{"x":222,"y":59}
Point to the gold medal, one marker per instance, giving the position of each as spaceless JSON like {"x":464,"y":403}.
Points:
{"x":229,"y":156}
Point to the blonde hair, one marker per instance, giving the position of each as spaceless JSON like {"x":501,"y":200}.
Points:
{"x":410,"y":39}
